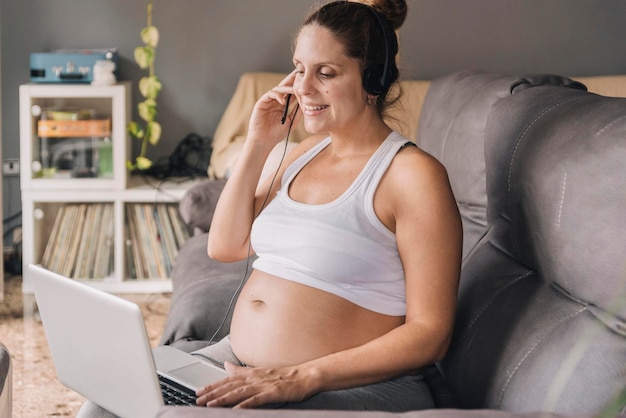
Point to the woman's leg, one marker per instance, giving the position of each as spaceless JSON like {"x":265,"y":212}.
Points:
{"x":218,"y":353}
{"x":91,"y":410}
{"x":405,"y":393}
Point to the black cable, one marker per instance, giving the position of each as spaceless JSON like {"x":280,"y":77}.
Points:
{"x":10,"y":230}
{"x":12,"y":217}
{"x":267,"y":196}
{"x":157,"y":186}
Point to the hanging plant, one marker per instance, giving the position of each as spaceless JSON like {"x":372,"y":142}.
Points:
{"x":148,"y":130}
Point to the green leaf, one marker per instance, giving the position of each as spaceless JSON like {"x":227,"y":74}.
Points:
{"x":150,"y":87}
{"x":144,"y":56}
{"x":135,"y":130}
{"x":130,"y":165}
{"x":143,"y":163}
{"x":150,"y":36}
{"x":153,"y":132}
{"x":147,"y":110}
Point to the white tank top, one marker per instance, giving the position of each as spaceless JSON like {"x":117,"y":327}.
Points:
{"x":339,"y":247}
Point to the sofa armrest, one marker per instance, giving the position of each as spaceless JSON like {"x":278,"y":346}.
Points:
{"x":198,"y":205}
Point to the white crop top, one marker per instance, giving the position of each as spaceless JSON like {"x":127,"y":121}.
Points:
{"x":339,"y":247}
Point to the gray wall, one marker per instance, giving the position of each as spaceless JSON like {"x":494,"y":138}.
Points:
{"x":207,"y":44}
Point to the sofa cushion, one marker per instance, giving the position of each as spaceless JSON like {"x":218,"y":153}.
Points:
{"x":203,"y":290}
{"x":451,"y":128}
{"x":541,"y":311}
{"x":198,"y":204}
{"x":5,"y":362}
{"x":194,"y":412}
{"x":565,"y":190}
{"x":5,"y":382}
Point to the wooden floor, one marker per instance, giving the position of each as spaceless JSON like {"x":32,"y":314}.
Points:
{"x":36,"y":391}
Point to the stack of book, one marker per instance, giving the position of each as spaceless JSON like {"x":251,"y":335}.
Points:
{"x":81,"y":241}
{"x":154,"y":233}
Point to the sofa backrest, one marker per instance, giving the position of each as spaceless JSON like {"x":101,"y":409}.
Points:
{"x":541,"y":322}
{"x":452,"y":129}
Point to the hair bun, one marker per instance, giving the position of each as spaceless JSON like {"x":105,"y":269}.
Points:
{"x":393,"y":10}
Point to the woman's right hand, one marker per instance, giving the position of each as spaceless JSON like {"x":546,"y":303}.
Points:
{"x":265,"y":127}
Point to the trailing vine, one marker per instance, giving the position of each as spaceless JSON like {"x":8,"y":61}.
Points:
{"x":149,"y":130}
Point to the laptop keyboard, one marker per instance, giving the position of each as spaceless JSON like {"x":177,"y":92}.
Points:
{"x":175,"y":394}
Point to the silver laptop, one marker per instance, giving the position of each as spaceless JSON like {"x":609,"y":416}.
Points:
{"x":100,"y":348}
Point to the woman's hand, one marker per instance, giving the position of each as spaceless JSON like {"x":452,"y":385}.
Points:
{"x":249,"y":387}
{"x":265,"y":123}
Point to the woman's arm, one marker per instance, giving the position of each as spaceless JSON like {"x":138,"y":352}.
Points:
{"x":429,"y":237}
{"x":242,"y":197}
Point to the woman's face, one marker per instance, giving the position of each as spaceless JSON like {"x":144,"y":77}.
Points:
{"x":328,"y":83}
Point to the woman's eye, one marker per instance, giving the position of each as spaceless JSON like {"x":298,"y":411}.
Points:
{"x":325,"y":75}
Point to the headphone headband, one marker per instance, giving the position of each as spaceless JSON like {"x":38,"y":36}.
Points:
{"x":382,"y":85}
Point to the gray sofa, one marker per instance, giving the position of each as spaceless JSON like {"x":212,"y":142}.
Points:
{"x":6,"y":383}
{"x":538,"y":167}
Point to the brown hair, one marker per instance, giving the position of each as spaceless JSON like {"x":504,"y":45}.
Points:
{"x":367,"y":31}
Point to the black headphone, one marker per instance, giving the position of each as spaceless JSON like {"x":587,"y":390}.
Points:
{"x":376,"y":77}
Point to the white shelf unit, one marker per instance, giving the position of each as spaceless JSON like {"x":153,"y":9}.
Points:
{"x":39,"y":211}
{"x":42,"y":197}
{"x":106,"y":101}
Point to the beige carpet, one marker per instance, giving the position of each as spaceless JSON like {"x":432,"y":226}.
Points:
{"x":36,"y":390}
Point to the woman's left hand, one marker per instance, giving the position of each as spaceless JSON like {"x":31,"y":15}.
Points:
{"x":251,"y":387}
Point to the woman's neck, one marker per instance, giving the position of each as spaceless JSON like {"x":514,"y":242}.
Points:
{"x":359,"y":139}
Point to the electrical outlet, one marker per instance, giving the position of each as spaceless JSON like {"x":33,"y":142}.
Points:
{"x":11,"y":167}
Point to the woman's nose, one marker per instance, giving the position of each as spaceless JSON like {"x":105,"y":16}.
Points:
{"x":303,"y":85}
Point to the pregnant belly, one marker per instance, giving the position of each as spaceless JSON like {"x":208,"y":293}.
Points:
{"x":277,"y":322}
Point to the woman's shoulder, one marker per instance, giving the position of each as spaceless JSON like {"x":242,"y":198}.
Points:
{"x":415,"y":186}
{"x":416,"y":167}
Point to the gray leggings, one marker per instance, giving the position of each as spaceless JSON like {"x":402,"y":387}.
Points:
{"x":405,"y":393}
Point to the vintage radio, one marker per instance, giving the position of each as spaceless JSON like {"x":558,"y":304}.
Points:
{"x":69,"y":65}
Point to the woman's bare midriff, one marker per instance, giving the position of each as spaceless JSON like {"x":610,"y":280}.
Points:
{"x":277,"y":322}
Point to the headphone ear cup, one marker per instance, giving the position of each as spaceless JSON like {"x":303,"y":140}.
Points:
{"x":373,"y":79}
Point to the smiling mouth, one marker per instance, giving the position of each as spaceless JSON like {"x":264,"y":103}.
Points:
{"x":315,"y":108}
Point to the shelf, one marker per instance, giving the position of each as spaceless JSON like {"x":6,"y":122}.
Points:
{"x":78,"y":226}
{"x":73,"y":154}
{"x":41,"y":210}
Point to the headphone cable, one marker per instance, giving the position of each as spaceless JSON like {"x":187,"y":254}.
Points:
{"x":265,"y":200}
